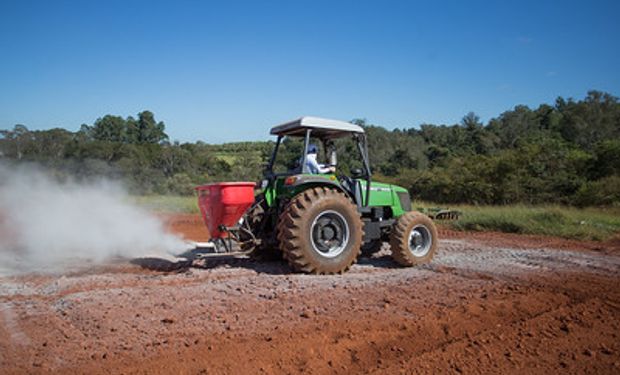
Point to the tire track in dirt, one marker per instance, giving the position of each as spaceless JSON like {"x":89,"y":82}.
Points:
{"x":11,"y":325}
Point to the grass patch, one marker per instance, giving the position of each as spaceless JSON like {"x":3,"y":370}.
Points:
{"x":168,"y":203}
{"x":585,"y":224}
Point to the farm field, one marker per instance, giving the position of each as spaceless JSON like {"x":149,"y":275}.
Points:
{"x":488,"y":303}
{"x":309,"y":187}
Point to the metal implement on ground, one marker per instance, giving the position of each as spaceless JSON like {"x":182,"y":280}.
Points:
{"x":436,"y":213}
{"x":318,"y":223}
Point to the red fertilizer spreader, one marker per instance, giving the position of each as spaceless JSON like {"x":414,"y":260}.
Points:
{"x":222,"y":206}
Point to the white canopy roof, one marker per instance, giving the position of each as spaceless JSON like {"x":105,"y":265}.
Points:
{"x":321,"y":127}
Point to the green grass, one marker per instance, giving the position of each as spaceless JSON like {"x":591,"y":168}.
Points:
{"x":168,"y":203}
{"x":568,"y":222}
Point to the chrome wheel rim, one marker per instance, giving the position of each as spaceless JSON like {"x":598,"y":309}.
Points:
{"x":420,"y":240}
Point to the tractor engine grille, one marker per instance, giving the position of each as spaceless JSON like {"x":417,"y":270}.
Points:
{"x":405,"y":201}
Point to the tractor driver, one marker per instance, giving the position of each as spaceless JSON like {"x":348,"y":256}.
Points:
{"x":313,"y":166}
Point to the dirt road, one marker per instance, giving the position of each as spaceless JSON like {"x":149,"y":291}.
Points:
{"x":486,"y":304}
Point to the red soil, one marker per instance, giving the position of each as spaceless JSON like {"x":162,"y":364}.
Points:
{"x":187,"y":225}
{"x":488,"y":303}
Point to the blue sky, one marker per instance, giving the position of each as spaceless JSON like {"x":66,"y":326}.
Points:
{"x":229,"y":70}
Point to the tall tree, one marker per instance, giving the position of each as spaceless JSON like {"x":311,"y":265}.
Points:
{"x":145,"y":129}
{"x":17,"y":140}
{"x":109,"y":128}
{"x":587,"y":122}
{"x":478,"y":138}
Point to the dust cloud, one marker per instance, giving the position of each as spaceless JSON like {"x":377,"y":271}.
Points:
{"x":52,"y":227}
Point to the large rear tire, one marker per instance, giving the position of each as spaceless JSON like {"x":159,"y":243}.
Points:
{"x":414,"y":239}
{"x":320,"y":232}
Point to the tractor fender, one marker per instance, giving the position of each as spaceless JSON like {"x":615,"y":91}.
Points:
{"x":318,"y":180}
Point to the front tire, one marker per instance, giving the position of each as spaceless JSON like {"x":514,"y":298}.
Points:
{"x":320,"y":232}
{"x":414,"y":239}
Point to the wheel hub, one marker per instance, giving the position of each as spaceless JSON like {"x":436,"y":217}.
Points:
{"x":329,"y":233}
{"x":416,"y":239}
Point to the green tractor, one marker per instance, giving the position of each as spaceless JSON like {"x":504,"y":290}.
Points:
{"x":321,"y":223}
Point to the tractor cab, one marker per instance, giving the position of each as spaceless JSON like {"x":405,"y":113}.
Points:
{"x":307,"y":131}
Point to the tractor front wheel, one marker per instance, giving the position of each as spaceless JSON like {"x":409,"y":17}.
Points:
{"x":414,"y":239}
{"x":320,"y":231}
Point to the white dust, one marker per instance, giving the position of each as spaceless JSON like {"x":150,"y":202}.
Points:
{"x":52,"y":227}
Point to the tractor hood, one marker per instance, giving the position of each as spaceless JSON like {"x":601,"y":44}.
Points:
{"x":395,"y":196}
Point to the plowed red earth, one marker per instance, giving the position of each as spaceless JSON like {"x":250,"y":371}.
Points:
{"x":488,"y":303}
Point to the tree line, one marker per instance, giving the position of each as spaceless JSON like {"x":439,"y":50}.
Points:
{"x":567,"y":152}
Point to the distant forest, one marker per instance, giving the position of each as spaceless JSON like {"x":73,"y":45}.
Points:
{"x":566,"y":153}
